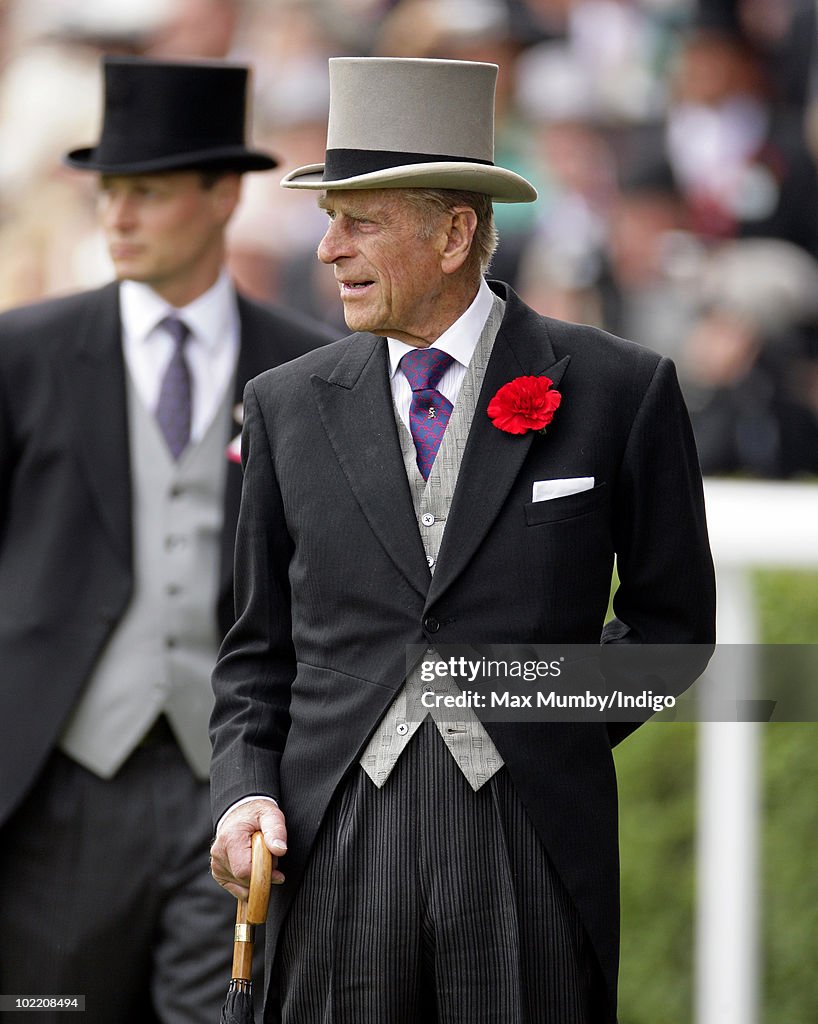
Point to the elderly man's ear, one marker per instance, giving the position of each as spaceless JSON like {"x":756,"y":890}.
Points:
{"x":460,"y":226}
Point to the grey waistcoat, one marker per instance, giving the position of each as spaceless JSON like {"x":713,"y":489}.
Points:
{"x":467,"y":740}
{"x":162,"y":652}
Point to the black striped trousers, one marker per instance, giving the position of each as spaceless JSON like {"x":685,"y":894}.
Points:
{"x":427,"y":903}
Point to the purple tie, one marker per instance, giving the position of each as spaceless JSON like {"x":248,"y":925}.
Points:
{"x":174,"y":405}
{"x":430,"y":411}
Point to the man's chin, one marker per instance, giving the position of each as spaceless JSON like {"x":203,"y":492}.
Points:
{"x":356,"y":320}
{"x":128,"y":272}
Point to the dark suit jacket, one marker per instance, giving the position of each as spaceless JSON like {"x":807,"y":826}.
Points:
{"x":65,"y":510}
{"x":332,"y":581}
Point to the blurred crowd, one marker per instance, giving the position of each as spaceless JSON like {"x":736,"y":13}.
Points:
{"x":674,"y":144}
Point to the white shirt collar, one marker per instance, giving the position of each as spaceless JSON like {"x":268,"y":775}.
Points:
{"x":459,"y":340}
{"x":209,"y":316}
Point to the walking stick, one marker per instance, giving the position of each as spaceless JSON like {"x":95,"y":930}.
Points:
{"x":238,"y":1007}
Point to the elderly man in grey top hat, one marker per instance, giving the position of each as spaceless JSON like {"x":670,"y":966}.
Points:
{"x":428,"y":869}
{"x":118,"y":503}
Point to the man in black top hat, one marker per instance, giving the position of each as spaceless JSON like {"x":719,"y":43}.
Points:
{"x":119,"y":412}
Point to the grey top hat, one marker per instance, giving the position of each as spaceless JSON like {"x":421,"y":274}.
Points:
{"x":171,"y":115}
{"x":398,"y":122}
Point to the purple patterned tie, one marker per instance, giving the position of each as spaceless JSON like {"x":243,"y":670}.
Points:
{"x":174,"y":406}
{"x":430,"y":411}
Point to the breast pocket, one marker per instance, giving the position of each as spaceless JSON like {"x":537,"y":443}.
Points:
{"x":571,"y":506}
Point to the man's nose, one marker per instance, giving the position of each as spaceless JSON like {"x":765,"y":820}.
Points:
{"x":119,"y":212}
{"x":331,"y":246}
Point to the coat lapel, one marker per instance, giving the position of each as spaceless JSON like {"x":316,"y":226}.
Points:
{"x":356,"y":409}
{"x":492,"y":458}
{"x":102,"y":416}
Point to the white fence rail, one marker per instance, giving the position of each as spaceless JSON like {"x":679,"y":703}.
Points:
{"x":751,"y":525}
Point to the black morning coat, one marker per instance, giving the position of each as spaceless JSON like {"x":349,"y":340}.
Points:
{"x":332,"y":580}
{"x":65,"y":505}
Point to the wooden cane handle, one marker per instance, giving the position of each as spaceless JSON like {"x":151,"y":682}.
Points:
{"x":253,"y":910}
{"x":260,"y":874}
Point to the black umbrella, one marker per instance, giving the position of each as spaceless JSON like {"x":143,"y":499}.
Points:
{"x":238,"y":1007}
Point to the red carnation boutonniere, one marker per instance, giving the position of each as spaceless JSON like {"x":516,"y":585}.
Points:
{"x":525,"y":403}
{"x":233,"y":450}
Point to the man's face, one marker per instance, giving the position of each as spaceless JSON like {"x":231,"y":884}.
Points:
{"x":389,"y":275}
{"x":166,"y":230}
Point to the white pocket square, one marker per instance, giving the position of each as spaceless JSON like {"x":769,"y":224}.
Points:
{"x":545,"y":490}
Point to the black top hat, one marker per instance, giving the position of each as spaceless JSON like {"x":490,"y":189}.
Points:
{"x":163,"y":115}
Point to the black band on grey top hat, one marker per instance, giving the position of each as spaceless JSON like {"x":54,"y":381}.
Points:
{"x":398,"y":122}
{"x":169,"y":115}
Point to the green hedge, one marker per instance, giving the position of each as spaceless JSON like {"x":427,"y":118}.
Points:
{"x":657,"y":802}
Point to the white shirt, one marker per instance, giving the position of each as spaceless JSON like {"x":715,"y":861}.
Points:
{"x":211,"y":351}
{"x":459,"y":341}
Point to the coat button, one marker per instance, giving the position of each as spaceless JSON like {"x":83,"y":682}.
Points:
{"x":431,"y":624}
